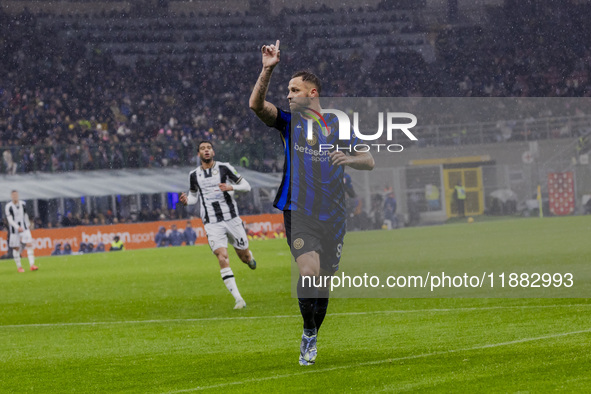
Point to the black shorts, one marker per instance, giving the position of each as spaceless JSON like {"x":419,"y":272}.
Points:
{"x":307,"y":234}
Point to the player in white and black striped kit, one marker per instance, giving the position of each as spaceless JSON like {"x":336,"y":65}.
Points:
{"x":213,"y":183}
{"x":20,"y":231}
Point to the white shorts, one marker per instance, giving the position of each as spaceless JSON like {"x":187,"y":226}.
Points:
{"x":219,"y":233}
{"x":20,"y":238}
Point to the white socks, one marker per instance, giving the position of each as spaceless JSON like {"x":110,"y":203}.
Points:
{"x":17,"y":258}
{"x":31,"y":256}
{"x":230,"y":282}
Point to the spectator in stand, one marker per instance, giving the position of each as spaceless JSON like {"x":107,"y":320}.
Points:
{"x":172,"y":215}
{"x":68,"y":220}
{"x":10,"y":165}
{"x":109,"y":217}
{"x":144,"y":215}
{"x":190,"y":234}
{"x":57,"y":251}
{"x":175,"y":238}
{"x":161,"y":238}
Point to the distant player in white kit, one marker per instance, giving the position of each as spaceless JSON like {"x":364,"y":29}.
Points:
{"x":210,"y":184}
{"x":20,"y":231}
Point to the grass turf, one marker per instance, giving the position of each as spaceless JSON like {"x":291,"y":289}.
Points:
{"x":161,"y":320}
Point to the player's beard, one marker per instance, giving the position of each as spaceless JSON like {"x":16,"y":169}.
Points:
{"x":206,"y":161}
{"x":300,"y":104}
{"x":297,"y":107}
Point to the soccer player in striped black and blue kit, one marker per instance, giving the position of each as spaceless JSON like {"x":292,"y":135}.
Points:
{"x":312,"y":193}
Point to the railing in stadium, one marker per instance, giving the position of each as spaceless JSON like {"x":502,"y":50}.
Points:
{"x":82,"y":157}
{"x":528,"y":129}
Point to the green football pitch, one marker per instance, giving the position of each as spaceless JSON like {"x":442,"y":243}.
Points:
{"x":161,"y":321}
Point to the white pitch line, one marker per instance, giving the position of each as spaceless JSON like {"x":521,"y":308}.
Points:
{"x":205,"y":319}
{"x":378,"y":362}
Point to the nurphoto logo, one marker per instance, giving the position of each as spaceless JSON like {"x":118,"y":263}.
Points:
{"x":344,"y":129}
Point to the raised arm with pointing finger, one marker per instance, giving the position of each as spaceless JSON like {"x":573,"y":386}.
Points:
{"x":266,"y":111}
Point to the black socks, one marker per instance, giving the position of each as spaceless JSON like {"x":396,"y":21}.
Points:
{"x":313,"y":309}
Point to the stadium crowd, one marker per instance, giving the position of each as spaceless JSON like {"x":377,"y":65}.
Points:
{"x":64,"y":107}
{"x":67,"y":105}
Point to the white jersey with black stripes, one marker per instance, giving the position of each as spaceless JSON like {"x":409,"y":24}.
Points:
{"x":17,"y":216}
{"x":216,"y":205}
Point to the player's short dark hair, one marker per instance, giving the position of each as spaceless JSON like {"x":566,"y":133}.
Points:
{"x":308,"y":76}
{"x":204,"y":142}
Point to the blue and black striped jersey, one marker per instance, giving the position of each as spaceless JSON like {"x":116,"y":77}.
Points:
{"x":311,"y":184}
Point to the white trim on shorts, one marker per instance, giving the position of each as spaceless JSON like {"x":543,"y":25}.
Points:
{"x":219,"y":233}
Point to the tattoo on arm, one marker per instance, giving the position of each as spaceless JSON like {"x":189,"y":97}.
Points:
{"x":262,"y":86}
{"x":266,"y":111}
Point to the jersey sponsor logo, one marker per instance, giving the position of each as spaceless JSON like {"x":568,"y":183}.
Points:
{"x":317,"y":155}
{"x":298,"y":243}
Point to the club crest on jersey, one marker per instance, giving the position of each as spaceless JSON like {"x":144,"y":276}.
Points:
{"x":298,"y":243}
{"x":312,"y":141}
{"x":215,"y":172}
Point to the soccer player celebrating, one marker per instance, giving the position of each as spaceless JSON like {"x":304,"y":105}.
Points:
{"x":312,"y":193}
{"x":20,"y":231}
{"x":219,"y":212}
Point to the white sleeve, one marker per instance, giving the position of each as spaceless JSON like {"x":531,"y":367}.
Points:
{"x":242,"y":186}
{"x":10,"y":217}
{"x":192,"y":198}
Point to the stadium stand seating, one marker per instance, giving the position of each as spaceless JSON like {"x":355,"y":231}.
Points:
{"x":109,"y":90}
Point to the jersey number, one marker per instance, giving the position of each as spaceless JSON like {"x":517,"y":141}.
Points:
{"x":240,"y":242}
{"x":339,"y":250}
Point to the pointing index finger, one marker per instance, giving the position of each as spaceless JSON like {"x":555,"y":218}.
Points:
{"x":277,"y":45}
